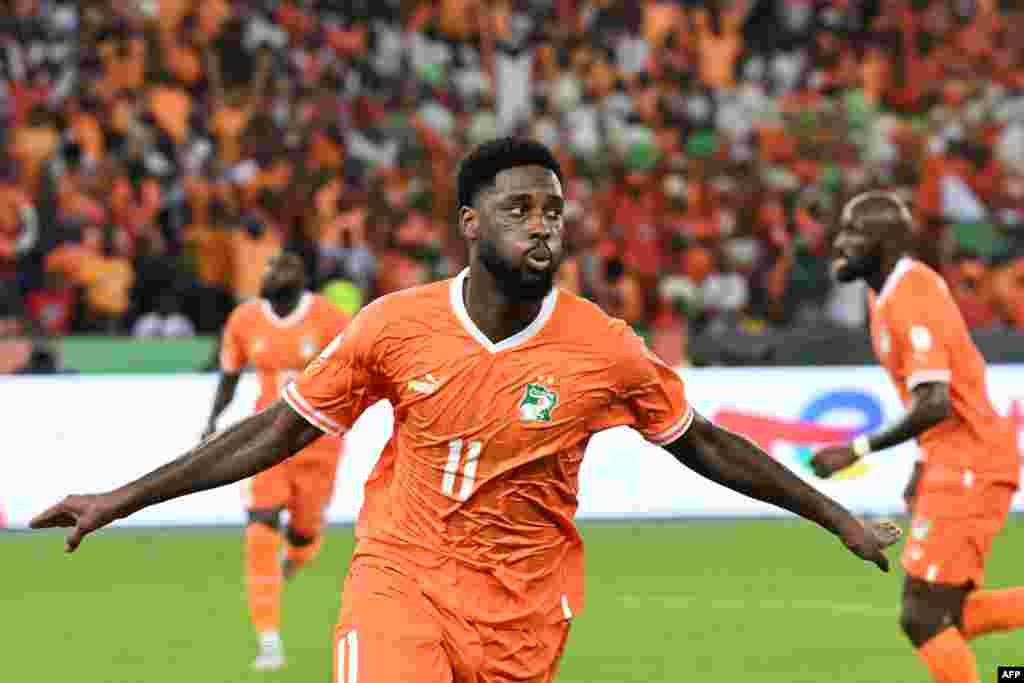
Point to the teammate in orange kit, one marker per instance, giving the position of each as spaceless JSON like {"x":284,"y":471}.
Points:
{"x":468,"y":565}
{"x":960,"y":492}
{"x":279,"y":334}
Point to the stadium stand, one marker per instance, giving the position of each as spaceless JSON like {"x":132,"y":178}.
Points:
{"x":154,"y":154}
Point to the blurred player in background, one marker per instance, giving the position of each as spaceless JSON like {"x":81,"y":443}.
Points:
{"x":468,"y":565}
{"x":962,"y":486}
{"x":279,"y":334}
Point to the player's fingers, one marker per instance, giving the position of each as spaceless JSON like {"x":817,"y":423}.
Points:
{"x":74,"y":539}
{"x":887,"y":532}
{"x":881,"y":560}
{"x":55,"y":516}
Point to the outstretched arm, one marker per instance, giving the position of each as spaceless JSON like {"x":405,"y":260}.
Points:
{"x":226,"y":389}
{"x":931,"y":406}
{"x":735,"y":462}
{"x":251,"y":446}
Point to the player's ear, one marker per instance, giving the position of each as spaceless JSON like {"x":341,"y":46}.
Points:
{"x":469,"y":222}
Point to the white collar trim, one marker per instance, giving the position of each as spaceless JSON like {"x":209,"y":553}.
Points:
{"x":293,"y":318}
{"x":521,"y":337}
{"x":903,"y":266}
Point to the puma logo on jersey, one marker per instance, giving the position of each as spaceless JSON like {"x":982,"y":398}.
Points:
{"x":426,"y":385}
{"x":537,"y":404}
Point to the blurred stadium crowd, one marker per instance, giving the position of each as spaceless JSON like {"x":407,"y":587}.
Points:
{"x":154,"y":153}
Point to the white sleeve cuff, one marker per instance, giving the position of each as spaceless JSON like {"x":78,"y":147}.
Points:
{"x":926,"y":376}
{"x":300,"y":405}
{"x":675,"y":431}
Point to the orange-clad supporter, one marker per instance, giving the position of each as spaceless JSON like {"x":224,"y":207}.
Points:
{"x":85,"y":130}
{"x":31,"y":145}
{"x":928,"y":194}
{"x":545,"y":63}
{"x":171,"y":107}
{"x":347,"y":42}
{"x":181,"y":58}
{"x":662,"y":18}
{"x":876,"y":73}
{"x":107,"y":279}
{"x":969,"y":464}
{"x":234,"y":109}
{"x":777,"y":145}
{"x":123,"y":112}
{"x":171,"y":13}
{"x":278,"y":334}
{"x":293,"y":19}
{"x":697,"y":262}
{"x":209,"y":234}
{"x":326,"y":152}
{"x":227,"y":124}
{"x":211,"y":15}
{"x":459,"y":19}
{"x":601,"y":77}
{"x":251,"y":252}
{"x":124,"y":64}
{"x":275,"y":178}
{"x":720,"y":49}
{"x":468,"y":565}
{"x":79,"y":200}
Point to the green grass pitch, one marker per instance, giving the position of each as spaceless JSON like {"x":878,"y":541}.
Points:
{"x":773,"y":601}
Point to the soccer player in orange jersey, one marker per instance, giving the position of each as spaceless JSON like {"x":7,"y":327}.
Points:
{"x":968,"y":471}
{"x":468,"y":565}
{"x":279,"y":334}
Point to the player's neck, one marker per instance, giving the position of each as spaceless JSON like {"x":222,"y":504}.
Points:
{"x":283,"y":304}
{"x":491,"y":311}
{"x":889,"y":262}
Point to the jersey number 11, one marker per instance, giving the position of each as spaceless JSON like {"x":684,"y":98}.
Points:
{"x":451,"y":469}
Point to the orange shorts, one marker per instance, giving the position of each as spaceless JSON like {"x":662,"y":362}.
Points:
{"x":951,"y":533}
{"x":389,"y":630}
{"x":303,"y":485}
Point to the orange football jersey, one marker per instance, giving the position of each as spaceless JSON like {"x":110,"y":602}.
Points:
{"x":278,"y":348}
{"x":478,"y":488}
{"x":919,"y":336}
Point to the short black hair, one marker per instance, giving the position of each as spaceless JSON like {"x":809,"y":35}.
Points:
{"x":487,"y":160}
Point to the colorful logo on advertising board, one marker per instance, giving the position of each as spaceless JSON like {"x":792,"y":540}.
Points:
{"x":832,"y":417}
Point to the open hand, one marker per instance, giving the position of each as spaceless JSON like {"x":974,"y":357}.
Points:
{"x":828,"y":461}
{"x":867,"y":540}
{"x":85,"y":513}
